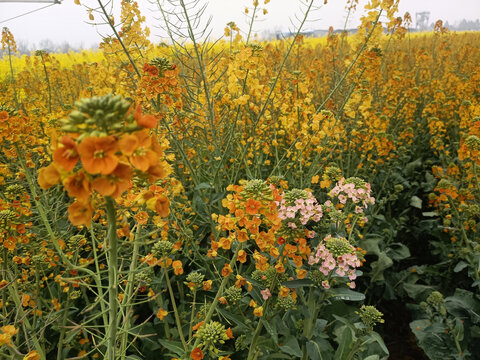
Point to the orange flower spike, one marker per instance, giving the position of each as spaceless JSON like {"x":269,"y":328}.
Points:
{"x":196,"y":354}
{"x":145,"y":121}
{"x":80,"y":213}
{"x":252,"y":206}
{"x":48,"y":176}
{"x":67,"y":155}
{"x":98,"y":154}
{"x":227,"y":270}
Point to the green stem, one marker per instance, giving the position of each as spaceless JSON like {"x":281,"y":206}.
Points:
{"x":112,"y":278}
{"x":128,"y":293}
{"x":175,"y":311}
{"x":213,"y":306}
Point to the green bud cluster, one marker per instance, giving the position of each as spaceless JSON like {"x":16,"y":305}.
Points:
{"x":195,"y":277}
{"x":100,"y":116}
{"x":338,"y":246}
{"x":162,"y":248}
{"x":211,"y":334}
{"x":233,"y":295}
{"x":435,"y":298}
{"x":74,"y":242}
{"x":472,"y":142}
{"x":285,"y":303}
{"x":161,"y":63}
{"x":359,"y":183}
{"x":6,"y":217}
{"x":144,"y":277}
{"x":294,"y":194}
{"x":317,"y":277}
{"x":370,"y":316}
{"x":256,"y":189}
{"x":14,"y":190}
{"x":240,"y":342}
{"x":75,"y":294}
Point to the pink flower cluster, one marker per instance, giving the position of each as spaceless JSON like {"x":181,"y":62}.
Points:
{"x":344,"y":265}
{"x":347,"y":190}
{"x":307,"y":209}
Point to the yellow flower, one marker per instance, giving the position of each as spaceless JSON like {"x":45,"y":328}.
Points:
{"x":258,"y":311}
{"x":32,"y":355}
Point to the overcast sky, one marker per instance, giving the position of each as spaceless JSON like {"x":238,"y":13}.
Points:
{"x":68,"y":22}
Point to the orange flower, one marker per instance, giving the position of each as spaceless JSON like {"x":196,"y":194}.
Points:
{"x":48,"y":176}
{"x":98,"y":154}
{"x":301,"y":273}
{"x":161,"y":313}
{"x":177,"y":266}
{"x":196,"y":354}
{"x":227,"y":270}
{"x":80,"y":213}
{"x":114,"y":184}
{"x":207,"y":285}
{"x":77,"y":186}
{"x":145,"y":121}
{"x":137,"y":147}
{"x":242,"y":256}
{"x":3,"y":116}
{"x":229,"y":333}
{"x":252,"y":303}
{"x":10,"y":243}
{"x":197,"y":326}
{"x":67,"y":155}
{"x":283,"y":291}
{"x":258,"y":312}
{"x":252,"y":206}
{"x":240,"y":281}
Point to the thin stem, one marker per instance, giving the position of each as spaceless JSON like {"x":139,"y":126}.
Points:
{"x":175,"y":310}
{"x":112,"y":278}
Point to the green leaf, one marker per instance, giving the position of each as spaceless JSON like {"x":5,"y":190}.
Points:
{"x":372,"y":357}
{"x":398,"y":251}
{"x":347,"y":294}
{"x":203,"y":185}
{"x":378,"y":339}
{"x":174,"y":346}
{"x":416,"y":202}
{"x":416,"y":290}
{"x":383,"y":262}
{"x":291,"y":347}
{"x":429,"y":214}
{"x":271,"y":329}
{"x":319,"y":350}
{"x":461,"y":303}
{"x":294,"y":284}
{"x":345,"y":341}
{"x":460,"y":266}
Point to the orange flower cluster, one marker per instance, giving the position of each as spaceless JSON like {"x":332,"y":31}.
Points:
{"x":88,"y":164}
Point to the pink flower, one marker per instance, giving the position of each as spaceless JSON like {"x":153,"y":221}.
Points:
{"x":266,"y":293}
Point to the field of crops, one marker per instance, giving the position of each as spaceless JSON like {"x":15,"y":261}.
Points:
{"x":305,"y":198}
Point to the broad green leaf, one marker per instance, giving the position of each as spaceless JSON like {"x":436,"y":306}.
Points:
{"x":271,"y":329}
{"x":383,"y":262}
{"x":398,"y":251}
{"x":174,"y":346}
{"x":460,"y":266}
{"x":291,"y":347}
{"x":415,"y":290}
{"x":320,"y":349}
{"x":416,"y":202}
{"x":345,"y":341}
{"x":372,"y":357}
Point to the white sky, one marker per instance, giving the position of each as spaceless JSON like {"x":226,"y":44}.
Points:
{"x":67,"y":21}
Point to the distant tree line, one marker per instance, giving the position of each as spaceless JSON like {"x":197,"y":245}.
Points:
{"x":24,"y":47}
